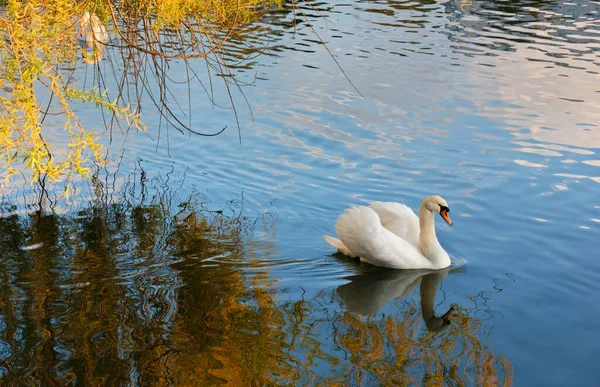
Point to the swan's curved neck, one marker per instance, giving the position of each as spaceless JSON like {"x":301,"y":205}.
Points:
{"x":428,"y":289}
{"x":428,"y":243}
{"x":429,"y":284}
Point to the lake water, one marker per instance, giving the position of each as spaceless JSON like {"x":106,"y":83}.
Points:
{"x":200,"y":260}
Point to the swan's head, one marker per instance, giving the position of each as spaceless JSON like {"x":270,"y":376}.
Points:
{"x":437,"y":204}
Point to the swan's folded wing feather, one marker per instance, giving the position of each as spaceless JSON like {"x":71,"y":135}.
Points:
{"x":360,"y":230}
{"x":399,"y":219}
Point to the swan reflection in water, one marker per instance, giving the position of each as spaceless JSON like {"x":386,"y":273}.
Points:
{"x":371,"y":290}
{"x":92,"y":37}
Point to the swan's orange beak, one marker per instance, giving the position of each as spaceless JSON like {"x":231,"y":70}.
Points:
{"x":445,"y":216}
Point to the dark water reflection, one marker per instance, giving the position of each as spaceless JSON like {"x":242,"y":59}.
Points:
{"x":131,"y":291}
{"x":368,"y":292}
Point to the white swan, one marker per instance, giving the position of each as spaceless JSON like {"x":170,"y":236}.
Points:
{"x":92,"y":35}
{"x":390,"y":235}
{"x":92,"y":31}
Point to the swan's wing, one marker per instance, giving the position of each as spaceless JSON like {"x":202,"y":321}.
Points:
{"x":360,"y":230}
{"x":399,"y":219}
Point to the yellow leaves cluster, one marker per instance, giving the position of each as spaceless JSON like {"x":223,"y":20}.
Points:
{"x":39,"y":39}
{"x":223,"y":13}
{"x":39,"y":47}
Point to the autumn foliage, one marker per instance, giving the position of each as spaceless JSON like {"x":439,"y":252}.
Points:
{"x":40,"y":53}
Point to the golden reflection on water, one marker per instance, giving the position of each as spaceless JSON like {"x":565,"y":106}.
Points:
{"x":135,"y":292}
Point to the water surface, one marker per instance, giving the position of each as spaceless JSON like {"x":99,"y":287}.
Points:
{"x":202,"y":261}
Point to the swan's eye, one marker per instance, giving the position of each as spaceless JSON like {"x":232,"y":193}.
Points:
{"x":444,"y":209}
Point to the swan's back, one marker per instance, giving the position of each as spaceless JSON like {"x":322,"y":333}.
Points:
{"x":399,"y":219}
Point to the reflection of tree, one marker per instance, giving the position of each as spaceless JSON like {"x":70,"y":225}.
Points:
{"x":119,"y":291}
{"x":147,"y":292}
{"x":397,"y":351}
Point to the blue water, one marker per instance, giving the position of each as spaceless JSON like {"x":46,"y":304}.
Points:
{"x":493,"y":105}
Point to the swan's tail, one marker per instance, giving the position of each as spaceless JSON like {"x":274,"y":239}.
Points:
{"x":338,"y":244}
